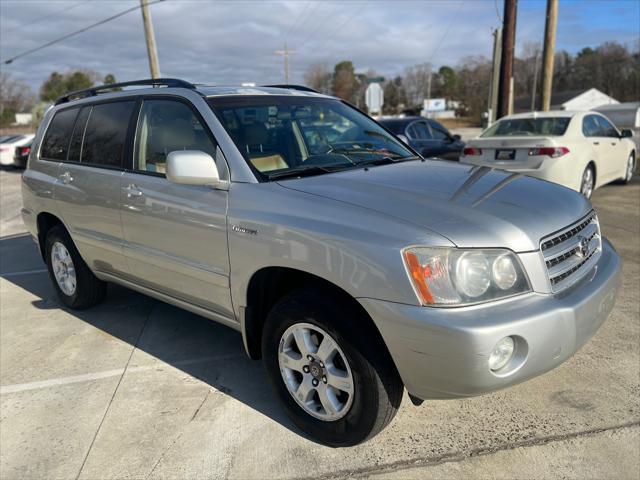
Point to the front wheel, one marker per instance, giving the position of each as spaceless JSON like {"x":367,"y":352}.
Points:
{"x":631,"y":166}
{"x":339,"y":390}
{"x":588,"y":181}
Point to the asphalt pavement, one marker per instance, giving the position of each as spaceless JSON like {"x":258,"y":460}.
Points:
{"x":136,"y":388}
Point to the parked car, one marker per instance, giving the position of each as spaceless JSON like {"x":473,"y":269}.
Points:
{"x":354,"y":271}
{"x":22,"y":155}
{"x":426,"y":136}
{"x":8,"y":147}
{"x":580,"y":150}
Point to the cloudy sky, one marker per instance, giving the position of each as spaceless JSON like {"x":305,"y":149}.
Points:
{"x":226,"y":42}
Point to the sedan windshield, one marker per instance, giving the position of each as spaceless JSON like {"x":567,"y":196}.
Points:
{"x":290,"y":136}
{"x":528,"y":127}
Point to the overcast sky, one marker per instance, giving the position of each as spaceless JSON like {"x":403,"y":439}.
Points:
{"x":225,"y":42}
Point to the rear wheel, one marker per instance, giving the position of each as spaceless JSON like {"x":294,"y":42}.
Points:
{"x":76,"y":285}
{"x":329,"y":376}
{"x":588,"y":181}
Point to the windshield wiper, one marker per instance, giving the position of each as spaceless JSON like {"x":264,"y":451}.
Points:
{"x":305,"y":170}
{"x":386,"y":160}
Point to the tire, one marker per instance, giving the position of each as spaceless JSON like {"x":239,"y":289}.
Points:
{"x":76,"y":285}
{"x":631,"y":167}
{"x":376,"y":388}
{"x":588,"y":181}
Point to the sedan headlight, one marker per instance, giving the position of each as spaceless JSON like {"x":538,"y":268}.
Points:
{"x":454,"y":277}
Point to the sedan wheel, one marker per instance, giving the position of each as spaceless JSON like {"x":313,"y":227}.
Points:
{"x":586,"y":187}
{"x":631,"y":164}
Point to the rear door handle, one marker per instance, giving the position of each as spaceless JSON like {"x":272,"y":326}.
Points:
{"x":596,"y":143}
{"x":133,"y":191}
{"x":613,"y":143}
{"x":66,"y":177}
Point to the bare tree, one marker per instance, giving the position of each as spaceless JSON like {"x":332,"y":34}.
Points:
{"x":416,"y":83}
{"x":15,"y":96}
{"x":318,"y":77}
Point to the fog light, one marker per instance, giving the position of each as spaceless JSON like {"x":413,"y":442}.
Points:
{"x":501,"y":353}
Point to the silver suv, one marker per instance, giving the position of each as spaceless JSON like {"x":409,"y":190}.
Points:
{"x":353,"y":267}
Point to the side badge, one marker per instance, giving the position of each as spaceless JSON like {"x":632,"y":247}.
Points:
{"x":248,"y":231}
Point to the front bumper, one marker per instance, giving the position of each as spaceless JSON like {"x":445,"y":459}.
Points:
{"x":444,"y":352}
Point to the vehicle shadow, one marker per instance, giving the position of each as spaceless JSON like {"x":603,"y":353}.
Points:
{"x":197,"y":346}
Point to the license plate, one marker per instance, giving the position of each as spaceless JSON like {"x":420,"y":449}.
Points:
{"x":505,"y":154}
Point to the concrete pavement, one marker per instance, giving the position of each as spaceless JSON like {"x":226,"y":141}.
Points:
{"x":138,"y":389}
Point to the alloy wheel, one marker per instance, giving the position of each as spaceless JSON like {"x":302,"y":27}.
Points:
{"x":587,"y":183}
{"x":63,"y":269}
{"x":316,"y":372}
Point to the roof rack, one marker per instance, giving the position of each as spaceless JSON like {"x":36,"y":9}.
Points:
{"x":154,"y":82}
{"x":302,"y":88}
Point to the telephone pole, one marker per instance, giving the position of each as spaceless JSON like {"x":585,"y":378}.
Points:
{"x":151,"y":39}
{"x":550,"y":28}
{"x":506,"y":63}
{"x":285,"y":53}
{"x":495,"y":76}
{"x":535,"y":81}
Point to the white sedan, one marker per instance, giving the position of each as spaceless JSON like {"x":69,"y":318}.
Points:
{"x":580,"y":150}
{"x":8,"y":147}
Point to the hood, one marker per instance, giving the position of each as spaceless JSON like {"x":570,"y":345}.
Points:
{"x":472,"y":206}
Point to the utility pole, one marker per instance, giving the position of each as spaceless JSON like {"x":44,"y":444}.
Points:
{"x":506,"y":63}
{"x":285,"y":53}
{"x":535,"y":81}
{"x":550,"y":28}
{"x":495,"y":76}
{"x":429,"y":93}
{"x":151,"y":39}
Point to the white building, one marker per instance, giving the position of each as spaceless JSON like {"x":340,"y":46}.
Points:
{"x":580,"y":100}
{"x":23,"y":119}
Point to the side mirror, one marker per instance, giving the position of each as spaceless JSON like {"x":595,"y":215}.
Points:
{"x":192,"y":167}
{"x":457,"y":137}
{"x":626,"y":133}
{"x":403,"y":138}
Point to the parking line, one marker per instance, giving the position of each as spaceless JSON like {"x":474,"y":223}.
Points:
{"x":90,"y":377}
{"x":26,"y":272}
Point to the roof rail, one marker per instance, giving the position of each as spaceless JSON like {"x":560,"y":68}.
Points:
{"x":302,"y":88}
{"x":154,"y":82}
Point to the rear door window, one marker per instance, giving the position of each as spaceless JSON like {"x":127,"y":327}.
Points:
{"x":56,"y":141}
{"x":439,"y":133}
{"x":75,"y":147}
{"x":590,"y":127}
{"x":106,"y":134}
{"x":419,"y":131}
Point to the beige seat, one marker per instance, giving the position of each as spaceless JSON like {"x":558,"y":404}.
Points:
{"x":255,"y":139}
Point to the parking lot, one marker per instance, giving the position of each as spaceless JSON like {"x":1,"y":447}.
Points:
{"x":136,"y":388}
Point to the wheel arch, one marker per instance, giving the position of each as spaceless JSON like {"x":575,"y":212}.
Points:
{"x":270,"y":284}
{"x":45,"y":222}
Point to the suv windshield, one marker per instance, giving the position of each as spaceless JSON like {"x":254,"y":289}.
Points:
{"x":283,"y":136}
{"x":526,"y":127}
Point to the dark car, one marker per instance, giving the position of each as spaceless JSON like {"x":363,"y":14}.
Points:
{"x":426,"y":136}
{"x":22,"y":155}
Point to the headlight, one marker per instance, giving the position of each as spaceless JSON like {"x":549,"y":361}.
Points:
{"x":453,"y":277}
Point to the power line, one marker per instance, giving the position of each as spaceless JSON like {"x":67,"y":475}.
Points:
{"x":297,"y":19}
{"x":64,"y":37}
{"x":453,"y":19}
{"x":318,"y":26}
{"x":45,"y":17}
{"x":340,"y":26}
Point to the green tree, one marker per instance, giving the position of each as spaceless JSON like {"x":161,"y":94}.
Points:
{"x":344,"y":81}
{"x":448,"y":82}
{"x":59,"y":84}
{"x":109,"y":79}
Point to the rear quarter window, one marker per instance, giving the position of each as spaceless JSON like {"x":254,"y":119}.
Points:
{"x":56,"y":140}
{"x":106,"y":133}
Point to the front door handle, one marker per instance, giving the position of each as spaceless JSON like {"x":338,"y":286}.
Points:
{"x":596,"y":143}
{"x":613,"y":143}
{"x":66,"y":178}
{"x":133,"y":191}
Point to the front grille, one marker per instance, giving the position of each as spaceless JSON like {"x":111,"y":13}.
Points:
{"x":570,"y":253}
